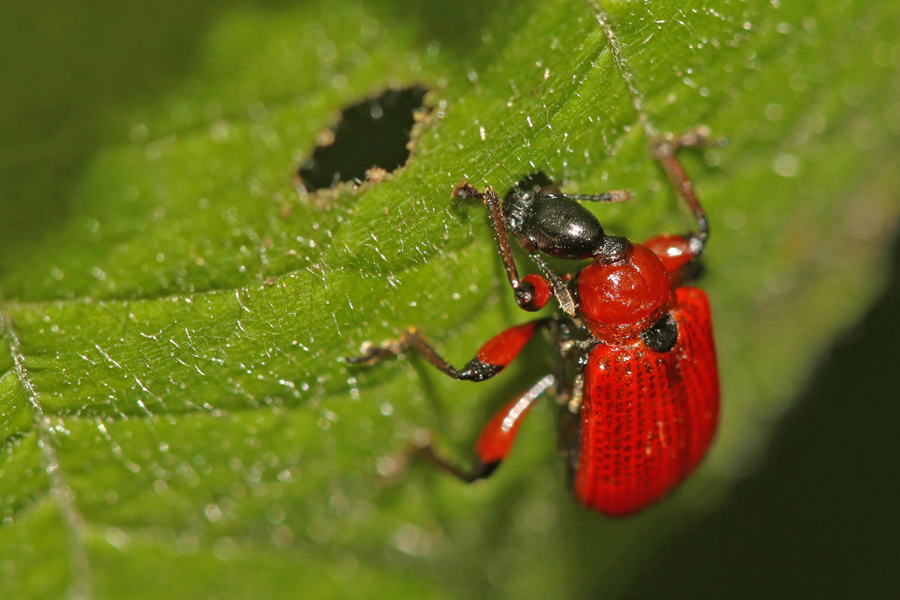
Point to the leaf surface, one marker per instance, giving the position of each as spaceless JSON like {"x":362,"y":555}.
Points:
{"x":177,"y":422}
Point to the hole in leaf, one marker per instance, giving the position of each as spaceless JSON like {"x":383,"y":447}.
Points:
{"x":371,"y":134}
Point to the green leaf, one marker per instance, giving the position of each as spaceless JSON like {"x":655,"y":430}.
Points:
{"x":177,"y":422}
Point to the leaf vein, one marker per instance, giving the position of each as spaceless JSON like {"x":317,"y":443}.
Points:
{"x":62,"y":494}
{"x":617,"y":49}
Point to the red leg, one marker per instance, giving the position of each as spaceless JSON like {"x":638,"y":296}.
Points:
{"x":674,"y":251}
{"x":665,"y":150}
{"x":491,"y":358}
{"x":531,"y":292}
{"x":677,"y":251}
{"x":494,"y":355}
{"x":496,"y":438}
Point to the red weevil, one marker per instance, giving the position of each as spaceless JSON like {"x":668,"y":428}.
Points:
{"x":637,"y":381}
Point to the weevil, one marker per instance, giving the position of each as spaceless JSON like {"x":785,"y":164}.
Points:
{"x":637,"y":379}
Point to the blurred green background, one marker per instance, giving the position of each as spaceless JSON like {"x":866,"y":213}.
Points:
{"x":816,"y":518}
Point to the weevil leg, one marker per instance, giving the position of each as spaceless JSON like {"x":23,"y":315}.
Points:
{"x":493,"y":356}
{"x":531,"y":292}
{"x":664,"y":150}
{"x":569,"y":430}
{"x":560,"y":290}
{"x":679,"y":252}
{"x":569,"y":395}
{"x":496,"y":439}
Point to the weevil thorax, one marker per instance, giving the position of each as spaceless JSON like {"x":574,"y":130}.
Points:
{"x":624,"y":291}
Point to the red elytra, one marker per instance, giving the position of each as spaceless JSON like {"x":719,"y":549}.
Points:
{"x":647,"y":418}
{"x":638,"y":385}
